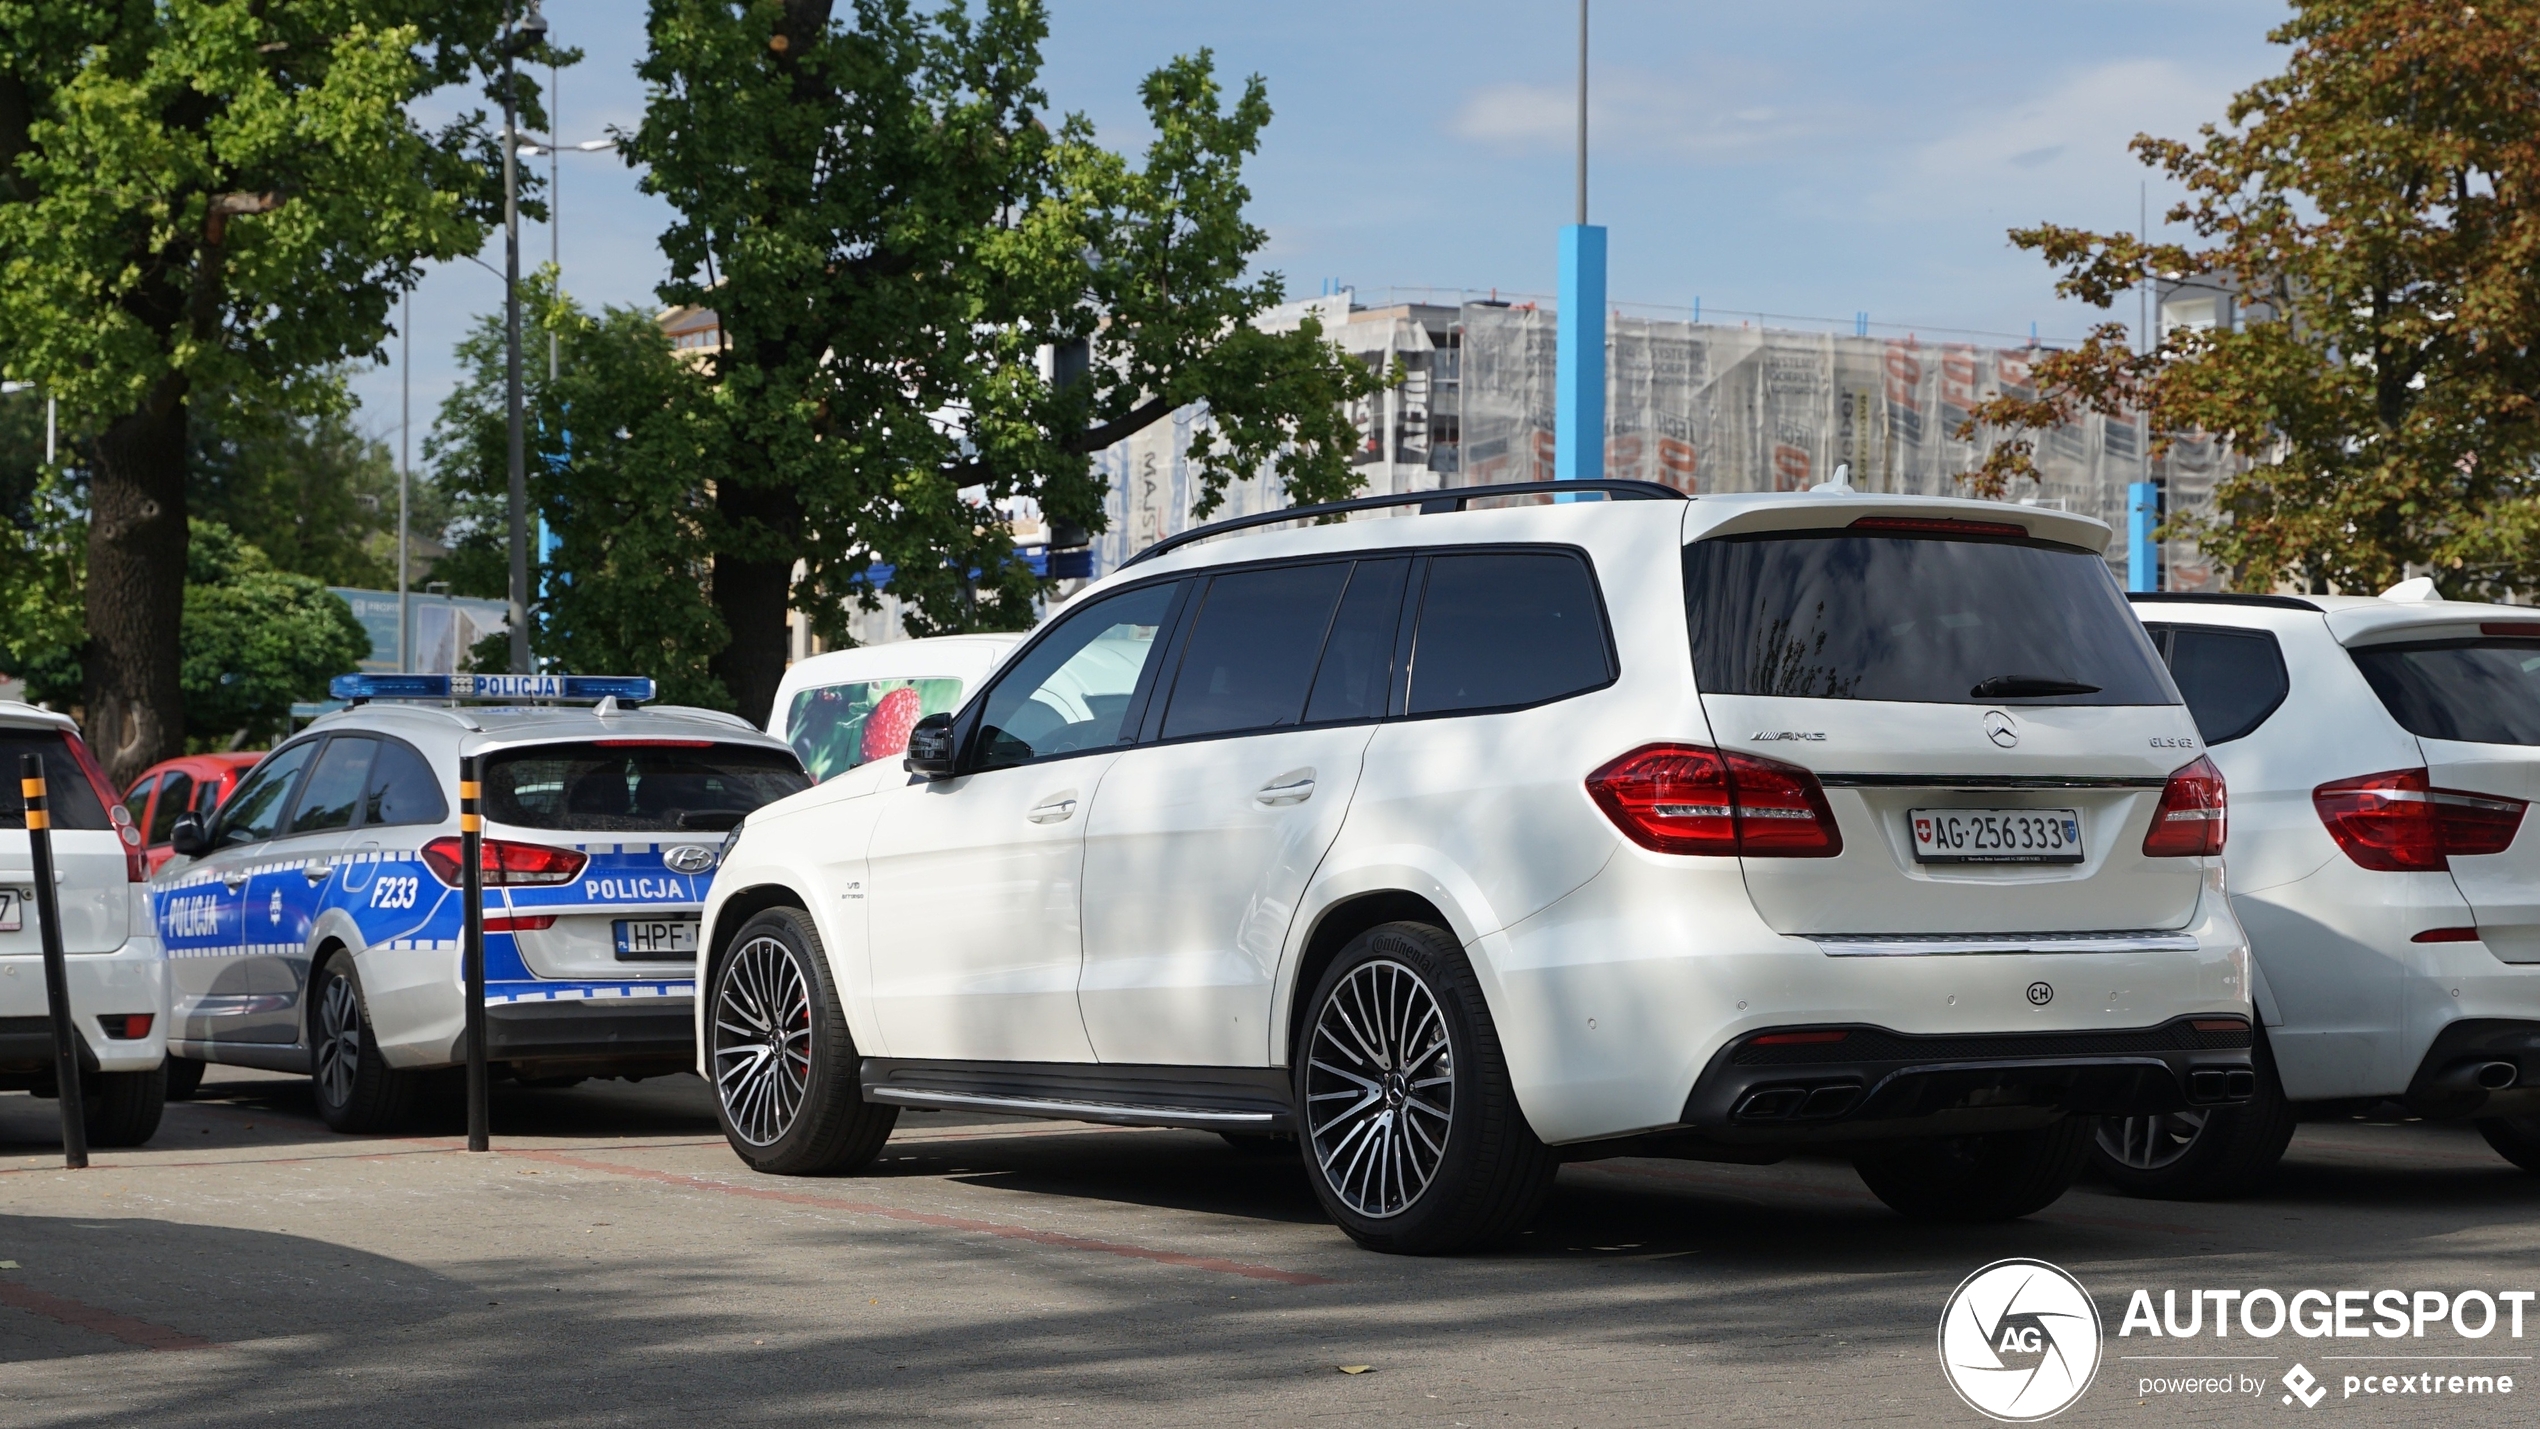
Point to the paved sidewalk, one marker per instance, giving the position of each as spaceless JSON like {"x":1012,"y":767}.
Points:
{"x":612,"y":1263}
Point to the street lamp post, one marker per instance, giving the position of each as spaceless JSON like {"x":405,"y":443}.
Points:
{"x":1578,"y":439}
{"x":524,"y":34}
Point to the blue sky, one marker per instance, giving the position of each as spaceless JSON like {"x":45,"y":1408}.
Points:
{"x":1815,"y":158}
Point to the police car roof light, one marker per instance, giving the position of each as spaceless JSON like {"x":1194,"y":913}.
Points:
{"x":626,"y":689}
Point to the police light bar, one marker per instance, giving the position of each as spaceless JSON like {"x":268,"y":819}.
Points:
{"x":628,"y":689}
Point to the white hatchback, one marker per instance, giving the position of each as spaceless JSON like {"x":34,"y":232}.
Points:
{"x":1459,"y":845}
{"x":2381,"y":755}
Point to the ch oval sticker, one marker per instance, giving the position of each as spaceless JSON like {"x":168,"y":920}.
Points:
{"x":2040,"y":994}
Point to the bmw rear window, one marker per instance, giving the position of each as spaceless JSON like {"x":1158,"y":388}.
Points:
{"x":636,"y":785}
{"x":2480,"y":691}
{"x":1917,"y":615}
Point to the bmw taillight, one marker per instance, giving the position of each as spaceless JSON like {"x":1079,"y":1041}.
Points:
{"x":1683,"y":798}
{"x":2192,"y":817}
{"x":502,"y":861}
{"x":2398,"y":822}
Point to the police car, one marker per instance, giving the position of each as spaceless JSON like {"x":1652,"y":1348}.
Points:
{"x":313,"y":923}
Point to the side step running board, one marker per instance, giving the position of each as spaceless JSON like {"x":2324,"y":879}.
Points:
{"x":1199,"y":1098}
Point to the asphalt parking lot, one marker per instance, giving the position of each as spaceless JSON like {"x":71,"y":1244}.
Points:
{"x":613,"y":1264}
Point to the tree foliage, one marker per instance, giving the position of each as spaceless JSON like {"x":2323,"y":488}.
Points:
{"x":617,"y":453}
{"x":311,"y":492}
{"x":893,"y":233}
{"x":212,"y":204}
{"x":256,"y":640}
{"x":2378,"y":207}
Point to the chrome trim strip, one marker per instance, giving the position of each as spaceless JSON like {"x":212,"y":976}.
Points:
{"x":1988,"y":781}
{"x":1077,"y":1111}
{"x":1918,"y":945}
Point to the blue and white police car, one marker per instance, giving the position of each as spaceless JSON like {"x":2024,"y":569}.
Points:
{"x":313,"y":923}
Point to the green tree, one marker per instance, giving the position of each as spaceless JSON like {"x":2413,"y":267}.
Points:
{"x":311,"y":492}
{"x":616,"y":469}
{"x":893,"y":235}
{"x":256,"y":640}
{"x":212,"y":203}
{"x":2378,"y":204}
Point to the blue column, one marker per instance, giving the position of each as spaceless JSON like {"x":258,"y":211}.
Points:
{"x":2142,"y":555}
{"x":1578,"y":444}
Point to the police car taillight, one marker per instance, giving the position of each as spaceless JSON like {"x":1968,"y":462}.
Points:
{"x":503,"y":861}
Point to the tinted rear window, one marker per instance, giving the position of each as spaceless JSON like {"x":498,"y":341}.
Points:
{"x":1500,"y":629}
{"x":636,"y":787}
{"x":2231,"y":679}
{"x":1252,"y":649}
{"x":74,"y":799}
{"x":1849,"y":615}
{"x":2476,"y":691}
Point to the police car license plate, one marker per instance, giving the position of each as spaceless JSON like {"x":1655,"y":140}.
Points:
{"x":657,"y":940}
{"x":9,"y":905}
{"x":1996,"y":835}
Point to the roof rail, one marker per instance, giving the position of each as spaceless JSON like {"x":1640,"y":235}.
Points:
{"x":2215,"y":597}
{"x":1444,"y":500}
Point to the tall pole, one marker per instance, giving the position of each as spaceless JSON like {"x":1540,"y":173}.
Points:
{"x":1578,"y":445}
{"x":518,"y":614}
{"x":555,"y":204}
{"x":472,"y":946}
{"x":405,"y":467}
{"x":47,"y":914}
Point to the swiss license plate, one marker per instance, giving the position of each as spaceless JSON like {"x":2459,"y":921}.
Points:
{"x":9,"y":905}
{"x":1996,"y":835}
{"x":657,"y":940}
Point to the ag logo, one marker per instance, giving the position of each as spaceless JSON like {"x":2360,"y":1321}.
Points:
{"x":2040,"y":993}
{"x":688,"y":858}
{"x":1999,"y":728}
{"x":2019,"y":1341}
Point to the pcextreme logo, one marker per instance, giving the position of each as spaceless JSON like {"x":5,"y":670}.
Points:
{"x":2019,"y":1341}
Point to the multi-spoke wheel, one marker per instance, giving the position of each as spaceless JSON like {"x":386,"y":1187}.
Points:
{"x":356,"y":1089}
{"x":762,"y":1040}
{"x":1380,"y":1088}
{"x":2201,"y":1153}
{"x":1411,"y":1131}
{"x":783,"y":1062}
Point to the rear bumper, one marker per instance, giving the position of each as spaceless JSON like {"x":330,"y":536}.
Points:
{"x":133,"y":978}
{"x":599,"y":1035}
{"x":1840,"y":1083}
{"x":2479,"y":1067}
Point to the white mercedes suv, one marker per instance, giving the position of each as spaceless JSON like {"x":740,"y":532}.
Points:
{"x":2382,"y":753}
{"x":1459,"y":845}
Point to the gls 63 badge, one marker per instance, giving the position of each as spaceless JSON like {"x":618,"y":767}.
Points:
{"x":2019,"y":1341}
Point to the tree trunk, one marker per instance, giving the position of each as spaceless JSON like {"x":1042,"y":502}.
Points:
{"x":753,"y":595}
{"x":136,"y":588}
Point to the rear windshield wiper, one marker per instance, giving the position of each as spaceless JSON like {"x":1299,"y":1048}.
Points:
{"x":2012,"y":687}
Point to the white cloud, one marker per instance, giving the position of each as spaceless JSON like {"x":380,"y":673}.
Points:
{"x":2060,"y":151}
{"x":1636,"y":113}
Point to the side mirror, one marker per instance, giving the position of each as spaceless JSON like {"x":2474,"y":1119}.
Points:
{"x":930,"y":748}
{"x":188,"y":837}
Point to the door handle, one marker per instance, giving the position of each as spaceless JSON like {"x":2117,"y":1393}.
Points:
{"x":317,"y":872}
{"x":1056,"y":811}
{"x":233,"y":881}
{"x":1295,"y":792}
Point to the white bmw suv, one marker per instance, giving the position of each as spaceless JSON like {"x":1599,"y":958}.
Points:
{"x":1459,"y":845}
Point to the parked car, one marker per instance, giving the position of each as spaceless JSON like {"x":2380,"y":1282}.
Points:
{"x":1458,"y":845}
{"x":189,"y":784}
{"x":118,"y":975}
{"x":313,"y":923}
{"x":848,"y":708}
{"x":2381,"y":755}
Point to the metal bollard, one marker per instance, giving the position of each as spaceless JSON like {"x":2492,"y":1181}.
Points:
{"x":47,"y":913}
{"x":472,"y":947}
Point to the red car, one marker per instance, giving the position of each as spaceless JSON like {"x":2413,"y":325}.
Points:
{"x":194,"y":783}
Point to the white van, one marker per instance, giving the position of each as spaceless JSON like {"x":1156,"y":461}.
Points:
{"x":848,"y":708}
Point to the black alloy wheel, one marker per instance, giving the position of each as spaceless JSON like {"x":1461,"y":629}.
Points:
{"x":783,"y":1062}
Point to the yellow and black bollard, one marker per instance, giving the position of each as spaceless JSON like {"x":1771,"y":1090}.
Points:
{"x":472,"y":946}
{"x":47,"y":913}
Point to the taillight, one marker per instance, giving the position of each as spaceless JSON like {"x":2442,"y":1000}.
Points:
{"x":136,"y":864}
{"x":501,"y":861}
{"x":519,"y":922}
{"x":1682,"y":798}
{"x":2398,"y":822}
{"x":2191,"y":818}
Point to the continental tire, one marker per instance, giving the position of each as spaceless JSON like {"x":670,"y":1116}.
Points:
{"x":2202,"y":1153}
{"x":1998,"y":1176}
{"x":122,"y":1108}
{"x":1412,"y":1135}
{"x":357,"y":1091}
{"x":783,"y":1063}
